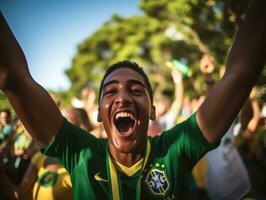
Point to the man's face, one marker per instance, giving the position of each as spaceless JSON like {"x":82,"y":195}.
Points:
{"x":125,"y":109}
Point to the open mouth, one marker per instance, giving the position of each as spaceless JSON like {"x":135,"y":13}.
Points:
{"x":125,"y":122}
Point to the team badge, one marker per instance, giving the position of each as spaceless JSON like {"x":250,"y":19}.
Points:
{"x":157,"y":182}
{"x":48,"y":179}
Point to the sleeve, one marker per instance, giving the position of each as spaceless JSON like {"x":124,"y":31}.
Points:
{"x":195,"y":144}
{"x":69,"y":144}
{"x":187,"y":140}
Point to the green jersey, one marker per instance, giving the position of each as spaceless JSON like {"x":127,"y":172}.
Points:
{"x":165,"y":174}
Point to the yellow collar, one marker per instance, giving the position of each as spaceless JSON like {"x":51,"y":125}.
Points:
{"x":129,"y":171}
{"x":116,"y":191}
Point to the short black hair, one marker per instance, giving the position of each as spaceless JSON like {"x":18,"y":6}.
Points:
{"x":131,"y":65}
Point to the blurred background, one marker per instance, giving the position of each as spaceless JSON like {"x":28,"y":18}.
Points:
{"x":182,"y":45}
{"x":69,"y":44}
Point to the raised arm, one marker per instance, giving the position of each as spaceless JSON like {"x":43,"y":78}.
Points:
{"x":244,"y":65}
{"x":32,"y":103}
{"x":179,"y":92}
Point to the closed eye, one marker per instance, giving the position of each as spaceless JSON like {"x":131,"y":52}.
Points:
{"x":137,"y":91}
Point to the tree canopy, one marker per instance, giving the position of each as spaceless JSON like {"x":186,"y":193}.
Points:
{"x":3,"y":101}
{"x":168,"y":29}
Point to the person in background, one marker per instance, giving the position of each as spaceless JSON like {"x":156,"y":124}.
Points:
{"x":232,"y":181}
{"x":167,"y":112}
{"x":21,"y":150}
{"x":88,"y":97}
{"x":250,"y":143}
{"x":79,"y":117}
{"x":44,"y":179}
{"x":6,"y":127}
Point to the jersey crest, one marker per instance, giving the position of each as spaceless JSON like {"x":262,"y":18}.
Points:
{"x":48,"y":179}
{"x":157,"y":181}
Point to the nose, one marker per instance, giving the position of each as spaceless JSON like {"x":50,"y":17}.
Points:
{"x":123,"y":98}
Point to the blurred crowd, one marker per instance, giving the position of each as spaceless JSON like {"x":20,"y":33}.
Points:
{"x":236,"y":169}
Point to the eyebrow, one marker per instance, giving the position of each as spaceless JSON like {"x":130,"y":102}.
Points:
{"x":133,"y":81}
{"x":110,"y":82}
{"x":130,"y":81}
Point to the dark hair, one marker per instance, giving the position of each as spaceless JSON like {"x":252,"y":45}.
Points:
{"x":82,"y":116}
{"x":131,"y":65}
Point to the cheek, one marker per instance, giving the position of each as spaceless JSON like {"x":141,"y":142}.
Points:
{"x":105,"y":105}
{"x":105,"y":108}
{"x":144,"y":108}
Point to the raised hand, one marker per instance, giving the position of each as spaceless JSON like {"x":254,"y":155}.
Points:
{"x":176,"y":75}
{"x":206,"y":64}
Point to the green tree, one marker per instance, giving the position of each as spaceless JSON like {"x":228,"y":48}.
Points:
{"x":209,"y":25}
{"x":139,"y":38}
{"x":169,"y":29}
{"x":3,"y":101}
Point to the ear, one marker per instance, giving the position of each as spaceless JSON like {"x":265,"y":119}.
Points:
{"x":99,"y":119}
{"x":153,"y":113}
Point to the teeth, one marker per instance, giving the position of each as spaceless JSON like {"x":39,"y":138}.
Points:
{"x":124,"y":114}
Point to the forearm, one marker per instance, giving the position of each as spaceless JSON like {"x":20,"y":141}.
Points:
{"x":254,"y":122}
{"x":12,"y":60}
{"x":10,"y":191}
{"x":37,"y":111}
{"x":248,"y":54}
{"x":33,"y":105}
{"x":245,"y":63}
{"x":7,"y":189}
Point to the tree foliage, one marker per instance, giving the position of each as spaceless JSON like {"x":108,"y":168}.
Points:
{"x":168,"y":29}
{"x":3,"y":101}
{"x":139,"y":38}
{"x":207,"y":21}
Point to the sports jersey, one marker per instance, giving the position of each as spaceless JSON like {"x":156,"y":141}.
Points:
{"x":165,"y":172}
{"x":50,"y":185}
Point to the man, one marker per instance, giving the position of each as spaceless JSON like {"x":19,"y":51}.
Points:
{"x":6,"y":128}
{"x":6,"y":132}
{"x":129,"y":165}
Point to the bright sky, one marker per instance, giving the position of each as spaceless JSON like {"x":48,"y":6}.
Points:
{"x":50,"y":30}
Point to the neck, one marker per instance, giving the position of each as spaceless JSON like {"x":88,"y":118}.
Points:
{"x":126,"y":158}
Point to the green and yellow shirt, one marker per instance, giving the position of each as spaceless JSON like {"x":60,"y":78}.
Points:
{"x":163,"y":173}
{"x":50,"y":185}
